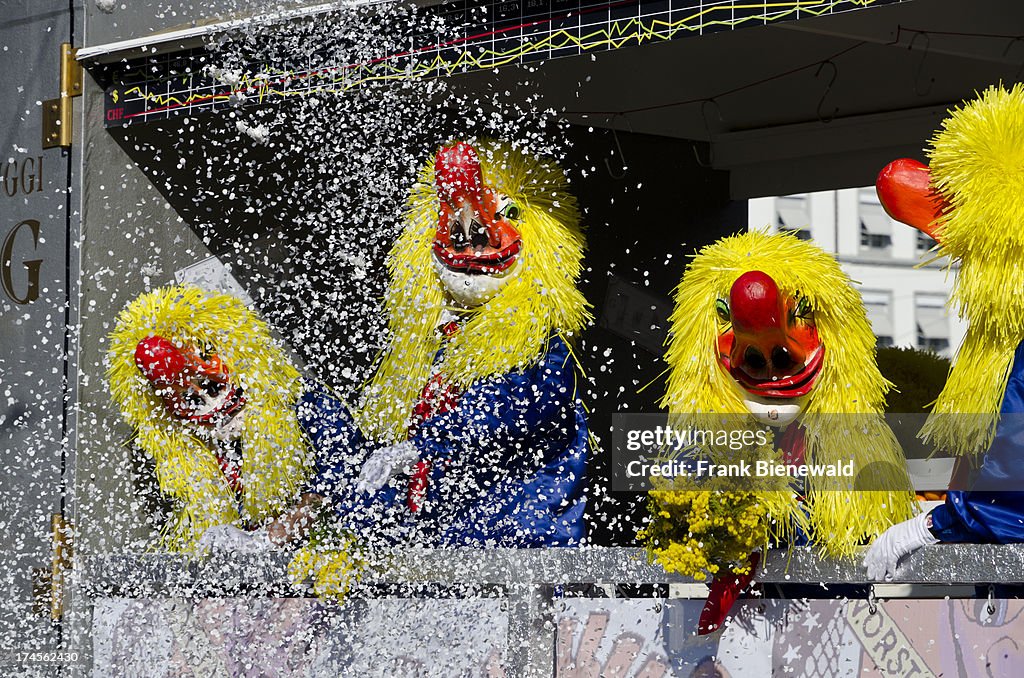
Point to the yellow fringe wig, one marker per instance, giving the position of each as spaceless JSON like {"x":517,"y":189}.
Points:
{"x":977,"y":165}
{"x":509,"y":332}
{"x":276,"y":458}
{"x":849,"y":383}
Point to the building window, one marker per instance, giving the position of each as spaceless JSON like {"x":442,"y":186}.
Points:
{"x":791,"y":215}
{"x":879,"y":309}
{"x":932,"y":324}
{"x":925,"y":242}
{"x":875,"y":228}
{"x":873,"y":241}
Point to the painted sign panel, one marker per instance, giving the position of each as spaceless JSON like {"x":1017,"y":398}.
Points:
{"x":275,"y":637}
{"x":837,"y":638}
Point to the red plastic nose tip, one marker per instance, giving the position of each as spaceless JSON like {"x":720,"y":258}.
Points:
{"x":457,"y":174}
{"x":754,"y":303}
{"x":905,"y":191}
{"x":160,"y":361}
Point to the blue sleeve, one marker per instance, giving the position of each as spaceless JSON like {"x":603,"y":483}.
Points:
{"x":337,"y":442}
{"x":992,"y":511}
{"x":340,"y":451}
{"x":501,"y":417}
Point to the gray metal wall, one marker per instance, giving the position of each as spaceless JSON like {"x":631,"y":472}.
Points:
{"x":36,"y":303}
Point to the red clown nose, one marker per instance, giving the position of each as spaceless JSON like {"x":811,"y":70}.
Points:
{"x":771,"y":349}
{"x":161,"y":362}
{"x":905,"y":190}
{"x":457,"y":174}
{"x":756,"y":303}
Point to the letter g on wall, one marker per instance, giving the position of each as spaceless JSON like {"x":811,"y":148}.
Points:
{"x":32,"y":266}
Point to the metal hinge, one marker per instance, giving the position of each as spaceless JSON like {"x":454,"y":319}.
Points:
{"x":57,"y":113}
{"x":49,"y":587}
{"x":61,"y":567}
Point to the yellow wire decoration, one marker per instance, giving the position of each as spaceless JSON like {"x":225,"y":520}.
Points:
{"x":436,"y":61}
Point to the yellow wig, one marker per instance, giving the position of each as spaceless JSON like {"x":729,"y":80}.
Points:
{"x":276,"y":458}
{"x":507,"y":333}
{"x":977,"y":165}
{"x":849,"y":383}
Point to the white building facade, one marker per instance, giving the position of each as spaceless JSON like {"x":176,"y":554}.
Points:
{"x":904,"y":286}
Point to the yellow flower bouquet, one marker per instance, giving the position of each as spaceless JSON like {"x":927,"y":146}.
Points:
{"x":332,"y":562}
{"x":700,"y":529}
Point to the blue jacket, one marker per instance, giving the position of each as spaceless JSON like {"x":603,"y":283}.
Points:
{"x":508,"y":464}
{"x":993,"y":509}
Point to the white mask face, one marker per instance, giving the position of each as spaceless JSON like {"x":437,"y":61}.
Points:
{"x":477,"y":241}
{"x":229,"y":430}
{"x":469,"y":290}
{"x":776,"y":412}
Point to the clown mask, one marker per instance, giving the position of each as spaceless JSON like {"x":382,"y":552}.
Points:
{"x":770,"y":347}
{"x":476,"y":245}
{"x":194,"y":387}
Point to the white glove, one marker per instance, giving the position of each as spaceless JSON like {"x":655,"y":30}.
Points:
{"x":231,"y":538}
{"x":899,"y":540}
{"x":384,"y":463}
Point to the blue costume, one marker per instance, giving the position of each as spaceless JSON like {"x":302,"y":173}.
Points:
{"x":507,"y":464}
{"x":993,"y":509}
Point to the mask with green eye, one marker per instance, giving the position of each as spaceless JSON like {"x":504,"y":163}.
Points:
{"x":509,"y":210}
{"x":477,"y":241}
{"x":802,"y":309}
{"x":767,"y":339}
{"x":722,"y":308}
